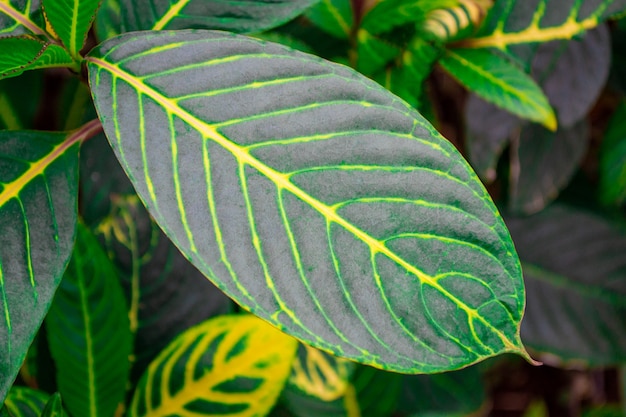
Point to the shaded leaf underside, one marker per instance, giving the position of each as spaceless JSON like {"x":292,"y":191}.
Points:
{"x":575,"y":273}
{"x":312,"y":197}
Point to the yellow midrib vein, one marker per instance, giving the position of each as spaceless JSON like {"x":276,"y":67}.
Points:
{"x":38,"y":167}
{"x":500,"y":39}
{"x":282,"y":181}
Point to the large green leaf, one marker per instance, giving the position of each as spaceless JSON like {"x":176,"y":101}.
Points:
{"x":229,"y":365}
{"x":89,"y":333}
{"x":71,"y":21}
{"x":119,"y":16}
{"x":165,"y":293}
{"x":575,"y":273}
{"x":24,"y":402}
{"x":38,"y":187}
{"x":512,"y":23}
{"x":495,"y":79}
{"x":313,"y":197}
{"x":25,"y":52}
{"x":20,"y":16}
{"x":613,"y":159}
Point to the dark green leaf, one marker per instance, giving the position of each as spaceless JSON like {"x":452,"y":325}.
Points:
{"x":229,"y":365}
{"x":575,"y":273}
{"x":446,"y":394}
{"x":573,"y":74}
{"x":88,"y":332}
{"x":119,"y":16}
{"x":542,"y":164}
{"x":165,"y":293}
{"x":613,"y":159}
{"x":273,"y":164}
{"x":370,"y":393}
{"x":71,"y":21}
{"x":21,"y":53}
{"x":489,"y":131}
{"x":104,"y":180}
{"x":386,"y":15}
{"x":495,"y":79}
{"x":332,"y":16}
{"x":38,"y":187}
{"x":24,"y":402}
{"x":15,"y":112}
{"x":406,"y":78}
{"x":20,"y":16}
{"x":373,"y":53}
{"x":54,"y":407}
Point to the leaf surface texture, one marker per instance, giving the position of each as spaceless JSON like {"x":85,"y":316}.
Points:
{"x":313,"y":197}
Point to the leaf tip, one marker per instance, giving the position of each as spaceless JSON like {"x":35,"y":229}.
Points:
{"x":550,"y":121}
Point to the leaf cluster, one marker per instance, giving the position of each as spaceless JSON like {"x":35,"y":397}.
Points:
{"x":209,"y":208}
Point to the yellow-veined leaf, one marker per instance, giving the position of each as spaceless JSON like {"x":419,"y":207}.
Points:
{"x":319,"y":374}
{"x":71,"y":21}
{"x":313,"y":197}
{"x":511,"y":23}
{"x":230,"y":365}
{"x":38,"y":190}
{"x":21,"y":53}
{"x":119,"y":16}
{"x":24,"y":402}
{"x":499,"y":81}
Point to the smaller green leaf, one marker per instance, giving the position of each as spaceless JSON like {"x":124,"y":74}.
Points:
{"x":88,"y":332}
{"x":613,"y":159}
{"x":71,"y":20}
{"x":15,"y":112}
{"x":24,"y":402}
{"x":373,"y":52}
{"x":54,"y":407}
{"x":319,"y":374}
{"x":369,"y":393}
{"x":386,"y":15}
{"x":231,"y":365}
{"x":21,"y":53}
{"x":498,"y":81}
{"x":333,"y":17}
